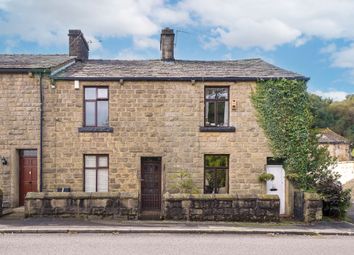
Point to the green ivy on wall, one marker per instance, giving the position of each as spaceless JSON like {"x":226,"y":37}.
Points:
{"x":284,"y":113}
{"x":283,"y":109}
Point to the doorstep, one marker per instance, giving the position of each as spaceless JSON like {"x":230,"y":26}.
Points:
{"x":150,"y":215}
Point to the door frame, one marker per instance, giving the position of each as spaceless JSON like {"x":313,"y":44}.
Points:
{"x":142,"y":159}
{"x":20,"y":156}
{"x":284,"y":194}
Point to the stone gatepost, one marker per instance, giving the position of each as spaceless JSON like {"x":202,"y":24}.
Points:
{"x":1,"y":198}
{"x":307,"y":206}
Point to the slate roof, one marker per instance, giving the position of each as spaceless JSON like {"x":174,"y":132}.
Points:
{"x":329,"y":136}
{"x":26,"y":61}
{"x":247,"y":69}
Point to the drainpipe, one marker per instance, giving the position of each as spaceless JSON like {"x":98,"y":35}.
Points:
{"x":41,"y":132}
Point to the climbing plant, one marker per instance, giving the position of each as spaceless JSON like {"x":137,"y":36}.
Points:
{"x":284,"y":113}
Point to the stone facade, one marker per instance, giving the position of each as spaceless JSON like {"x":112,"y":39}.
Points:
{"x":341,"y":151}
{"x":259,"y":208}
{"x":307,"y":206}
{"x":82,"y":204}
{"x":19,"y":128}
{"x":151,"y":119}
{"x":337,"y":145}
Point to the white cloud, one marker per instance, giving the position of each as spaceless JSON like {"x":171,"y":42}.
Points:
{"x":330,"y":48}
{"x":262,"y":24}
{"x":146,"y":42}
{"x":301,"y":41}
{"x":334,"y":95}
{"x":269,"y":23}
{"x":47,"y":22}
{"x":344,"y":57}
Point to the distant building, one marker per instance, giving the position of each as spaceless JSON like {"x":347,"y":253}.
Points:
{"x":338,"y":146}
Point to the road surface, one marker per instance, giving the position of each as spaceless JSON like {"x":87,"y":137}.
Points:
{"x":100,"y":244}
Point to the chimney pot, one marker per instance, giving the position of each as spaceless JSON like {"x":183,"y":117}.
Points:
{"x":167,"y":44}
{"x":78,"y":45}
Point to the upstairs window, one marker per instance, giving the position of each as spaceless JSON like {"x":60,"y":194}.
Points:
{"x":96,"y":173}
{"x":96,"y":106}
{"x":216,"y":174}
{"x":216,"y":107}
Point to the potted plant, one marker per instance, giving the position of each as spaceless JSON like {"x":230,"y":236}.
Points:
{"x":264,"y":177}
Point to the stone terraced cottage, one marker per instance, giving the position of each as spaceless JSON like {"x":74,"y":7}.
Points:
{"x":69,"y":123}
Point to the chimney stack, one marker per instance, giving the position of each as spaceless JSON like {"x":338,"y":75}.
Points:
{"x":78,"y":46}
{"x":167,"y":44}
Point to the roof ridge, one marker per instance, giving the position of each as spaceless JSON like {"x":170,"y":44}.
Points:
{"x":25,"y":54}
{"x":181,"y":60}
{"x":332,"y":135}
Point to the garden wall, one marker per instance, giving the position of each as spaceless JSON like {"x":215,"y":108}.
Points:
{"x":82,"y":204}
{"x":1,"y":199}
{"x":219,"y":207}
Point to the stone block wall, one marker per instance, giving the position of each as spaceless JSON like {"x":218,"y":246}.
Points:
{"x":19,"y":127}
{"x":260,"y":208}
{"x":341,"y":151}
{"x":307,"y":206}
{"x":1,"y":199}
{"x":82,"y":204}
{"x":151,"y":119}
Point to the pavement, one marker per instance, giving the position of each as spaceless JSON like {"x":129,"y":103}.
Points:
{"x":16,"y":223}
{"x":73,"y":225}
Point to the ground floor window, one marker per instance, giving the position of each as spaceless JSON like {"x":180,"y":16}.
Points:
{"x":216,"y":172}
{"x":96,"y":173}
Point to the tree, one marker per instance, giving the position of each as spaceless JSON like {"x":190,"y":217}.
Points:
{"x":338,"y":116}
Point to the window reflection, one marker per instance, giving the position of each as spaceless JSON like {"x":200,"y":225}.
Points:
{"x":96,"y":106}
{"x":216,"y":174}
{"x":216,"y":106}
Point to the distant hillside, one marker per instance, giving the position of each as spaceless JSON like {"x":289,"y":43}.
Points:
{"x":338,"y":116}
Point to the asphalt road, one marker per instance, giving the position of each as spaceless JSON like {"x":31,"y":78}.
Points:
{"x":167,"y":244}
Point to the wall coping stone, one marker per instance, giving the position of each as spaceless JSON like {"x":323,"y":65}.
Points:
{"x":79,"y":195}
{"x":312,"y":196}
{"x":169,"y":196}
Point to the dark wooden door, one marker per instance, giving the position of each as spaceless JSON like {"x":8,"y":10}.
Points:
{"x":151,"y":184}
{"x":28,"y":173}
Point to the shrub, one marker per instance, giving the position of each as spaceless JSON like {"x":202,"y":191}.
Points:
{"x":183,"y":183}
{"x":336,"y":201}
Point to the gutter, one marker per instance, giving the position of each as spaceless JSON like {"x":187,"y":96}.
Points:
{"x":202,"y":79}
{"x":21,"y":70}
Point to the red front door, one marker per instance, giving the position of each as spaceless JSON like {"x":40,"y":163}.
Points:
{"x":28,"y":173}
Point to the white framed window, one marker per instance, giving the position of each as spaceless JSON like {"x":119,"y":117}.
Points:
{"x":96,"y":173}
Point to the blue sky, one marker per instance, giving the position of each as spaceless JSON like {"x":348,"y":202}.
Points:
{"x":314,"y":38}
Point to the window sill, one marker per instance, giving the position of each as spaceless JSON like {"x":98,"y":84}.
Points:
{"x":95,"y":129}
{"x":217,"y":129}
